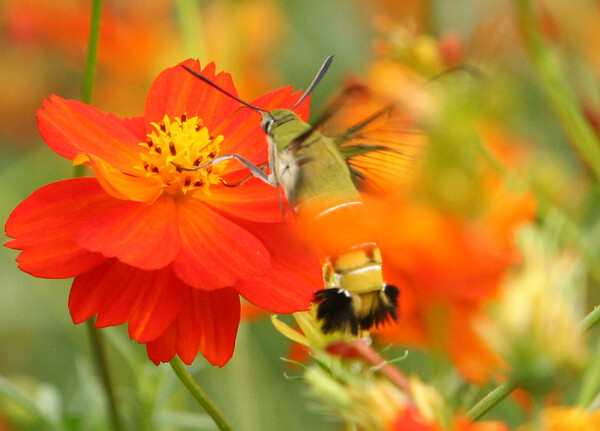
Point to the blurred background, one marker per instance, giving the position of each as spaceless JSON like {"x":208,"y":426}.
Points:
{"x":401,"y":45}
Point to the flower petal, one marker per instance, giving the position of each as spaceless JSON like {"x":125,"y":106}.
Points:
{"x":293,"y":278}
{"x":141,"y":235}
{"x":117,"y":293}
{"x":279,"y":290}
{"x":254,"y":200}
{"x":215,"y":251}
{"x":125,"y":186}
{"x":176,"y":91}
{"x":45,"y":227}
{"x":207,"y":321}
{"x":70,"y":128}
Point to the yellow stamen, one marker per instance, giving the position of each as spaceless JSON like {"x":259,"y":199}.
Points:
{"x":183,"y":142}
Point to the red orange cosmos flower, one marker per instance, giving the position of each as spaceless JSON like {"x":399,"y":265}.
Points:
{"x":167,"y":250}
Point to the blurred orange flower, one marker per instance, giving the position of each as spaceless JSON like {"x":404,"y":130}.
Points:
{"x":410,"y":419}
{"x":125,"y":39}
{"x":446,"y":269}
{"x":167,"y":250}
{"x":568,"y":419}
{"x":462,"y":424}
{"x":571,"y":419}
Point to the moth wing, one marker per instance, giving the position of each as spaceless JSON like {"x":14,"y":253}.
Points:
{"x":381,"y":143}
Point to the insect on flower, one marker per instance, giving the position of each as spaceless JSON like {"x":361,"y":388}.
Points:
{"x":170,"y":252}
{"x":320,"y":184}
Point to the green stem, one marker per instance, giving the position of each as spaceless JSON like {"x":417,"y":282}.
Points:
{"x":590,"y":320}
{"x":99,"y":353}
{"x":92,"y":53}
{"x":491,"y":399}
{"x":190,"y":25}
{"x":199,"y":394}
{"x":590,"y":383}
{"x":547,"y":65}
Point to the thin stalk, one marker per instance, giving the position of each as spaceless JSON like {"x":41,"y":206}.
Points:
{"x":590,"y":320}
{"x":200,"y":395}
{"x":590,"y":383}
{"x":91,"y":60}
{"x":96,"y":342}
{"x":556,"y":89}
{"x":99,"y":353}
{"x":491,"y":400}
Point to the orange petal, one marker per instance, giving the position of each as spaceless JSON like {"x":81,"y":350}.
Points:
{"x":117,"y":293}
{"x":215,"y":251}
{"x":176,"y":91}
{"x":143,"y":236}
{"x":207,"y":322}
{"x":45,"y":227}
{"x":254,"y":201}
{"x":126,"y":186}
{"x":279,"y":290}
{"x":294,"y":255}
{"x":70,"y":128}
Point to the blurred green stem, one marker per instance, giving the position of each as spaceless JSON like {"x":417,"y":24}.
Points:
{"x":190,"y":25}
{"x":591,"y":380}
{"x":491,"y":399}
{"x":92,"y":53}
{"x":590,"y":383}
{"x":547,"y":65}
{"x":99,"y":352}
{"x":199,"y":394}
{"x":590,"y":320}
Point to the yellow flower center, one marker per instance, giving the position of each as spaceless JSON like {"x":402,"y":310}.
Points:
{"x":182,"y":143}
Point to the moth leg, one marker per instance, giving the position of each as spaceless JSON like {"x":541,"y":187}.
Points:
{"x":225,"y":183}
{"x":254,"y":170}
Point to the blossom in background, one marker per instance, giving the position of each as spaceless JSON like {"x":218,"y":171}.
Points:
{"x":536,"y":326}
{"x":63,"y":26}
{"x":447,"y":269}
{"x":563,"y":418}
{"x":167,"y":250}
{"x":410,"y":420}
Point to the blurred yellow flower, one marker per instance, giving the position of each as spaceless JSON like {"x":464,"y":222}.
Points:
{"x":541,"y":304}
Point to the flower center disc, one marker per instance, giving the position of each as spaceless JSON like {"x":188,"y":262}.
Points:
{"x":182,"y":143}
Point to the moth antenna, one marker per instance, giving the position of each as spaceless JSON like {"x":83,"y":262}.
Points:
{"x":316,"y":80}
{"x":222,"y":90}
